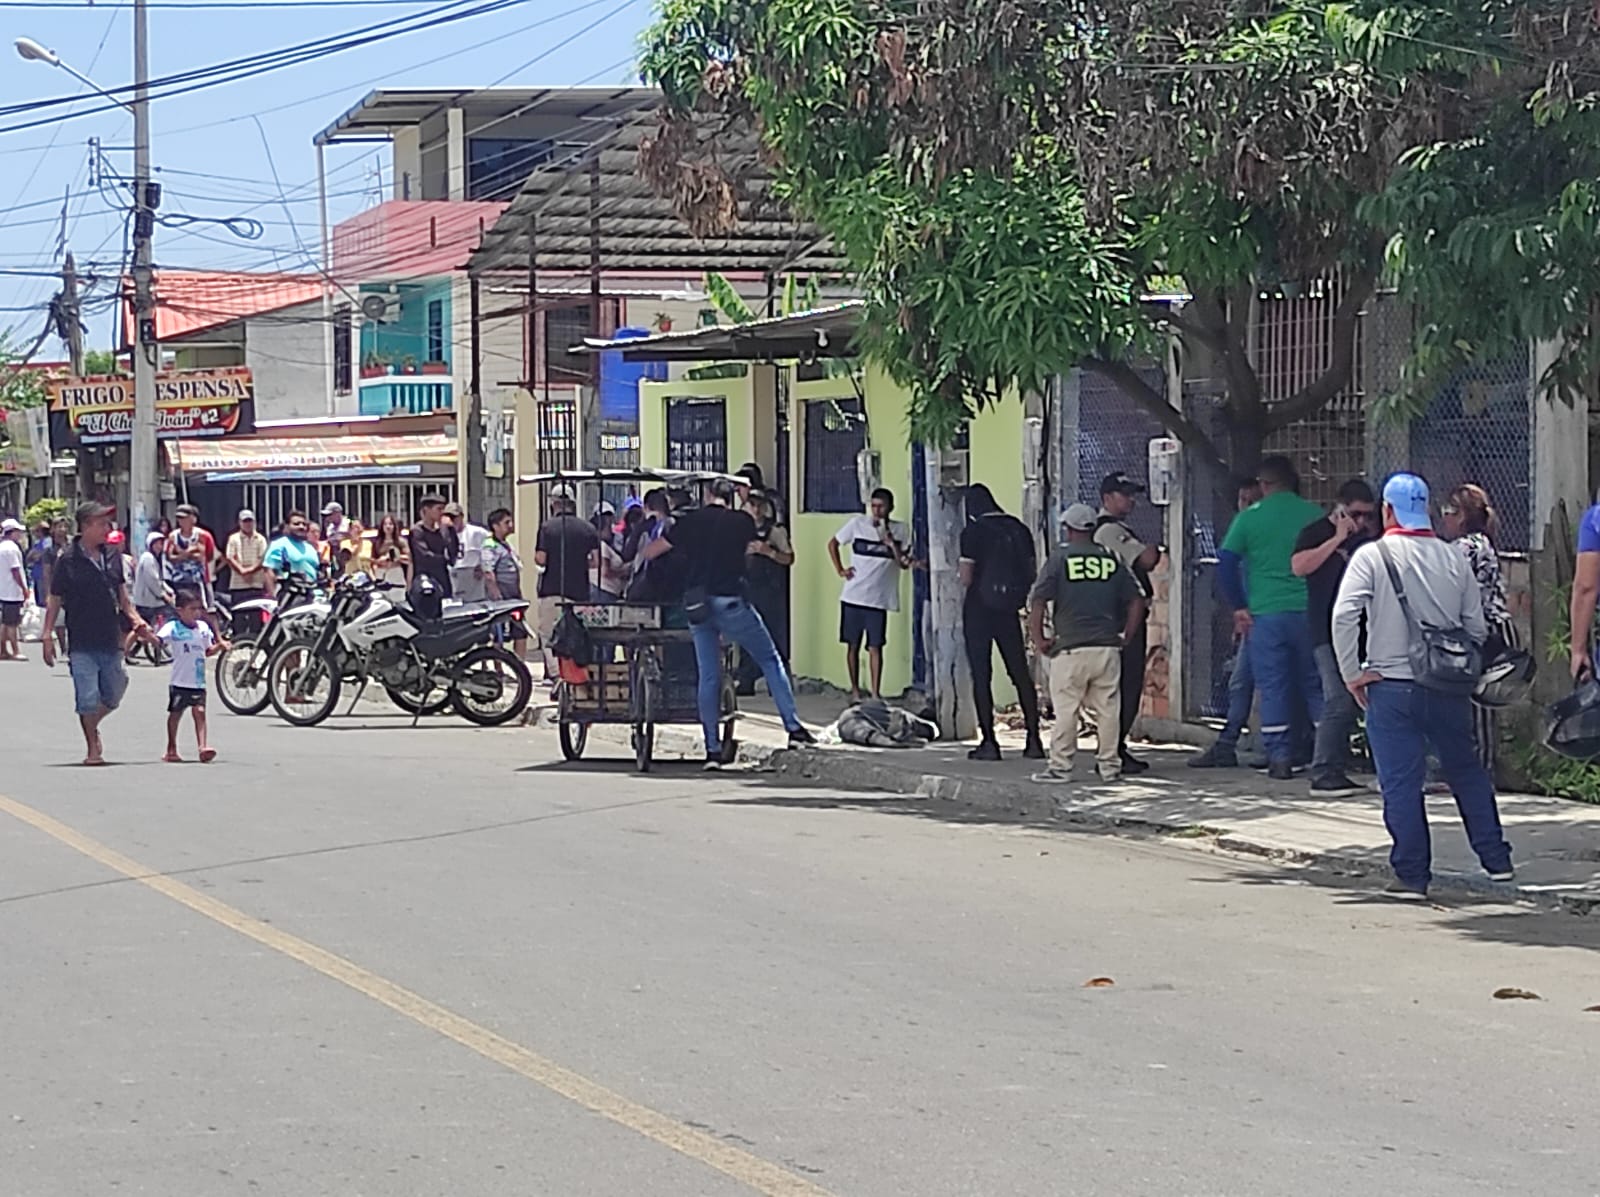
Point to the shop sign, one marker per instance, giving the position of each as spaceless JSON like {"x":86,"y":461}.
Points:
{"x":25,"y":441}
{"x":190,"y":403}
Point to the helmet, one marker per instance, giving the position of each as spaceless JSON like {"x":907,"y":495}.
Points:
{"x":1507,"y":678}
{"x":1572,"y":725}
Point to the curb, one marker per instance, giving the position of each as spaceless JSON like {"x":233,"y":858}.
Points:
{"x":859,"y":772}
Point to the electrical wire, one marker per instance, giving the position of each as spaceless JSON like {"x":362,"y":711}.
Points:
{"x":259,"y":64}
{"x":58,"y":5}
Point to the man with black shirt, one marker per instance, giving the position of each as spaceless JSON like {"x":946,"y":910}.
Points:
{"x":998,"y":567}
{"x":434,"y":547}
{"x":88,"y":584}
{"x":1118,"y":497}
{"x":715,"y":540}
{"x":1320,"y":555}
{"x":565,"y":550}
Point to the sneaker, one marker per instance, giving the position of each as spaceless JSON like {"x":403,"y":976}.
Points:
{"x":1053,"y":777}
{"x":1506,"y":874}
{"x":1132,"y":765}
{"x":801,"y":737}
{"x":1280,"y":771}
{"x":988,"y":750}
{"x":1402,"y":892}
{"x":713,"y":762}
{"x":1259,"y":763}
{"x":1218,"y":756}
{"x":1033,"y":750}
{"x":1335,"y":785}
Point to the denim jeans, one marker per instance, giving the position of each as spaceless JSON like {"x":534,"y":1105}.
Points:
{"x":1286,"y":674}
{"x":736,"y":620}
{"x":1338,"y":720}
{"x":1403,"y":719}
{"x":1241,"y":696}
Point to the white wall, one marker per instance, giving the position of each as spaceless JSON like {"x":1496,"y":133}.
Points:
{"x":286,"y":354}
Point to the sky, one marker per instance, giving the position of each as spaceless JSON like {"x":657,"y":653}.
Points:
{"x":242,"y":148}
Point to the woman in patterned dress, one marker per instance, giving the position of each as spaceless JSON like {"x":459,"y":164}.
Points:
{"x":1470,"y":523}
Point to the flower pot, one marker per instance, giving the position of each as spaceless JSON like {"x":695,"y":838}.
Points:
{"x":408,"y":370}
{"x":373,"y":371}
{"x":435,"y":368}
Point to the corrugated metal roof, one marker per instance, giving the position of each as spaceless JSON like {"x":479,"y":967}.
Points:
{"x":379,"y":113}
{"x":594,"y":198}
{"x":822,"y":332}
{"x":191,"y":301}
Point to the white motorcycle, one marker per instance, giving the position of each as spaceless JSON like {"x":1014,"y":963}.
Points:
{"x":424,"y":663}
{"x":242,"y":667}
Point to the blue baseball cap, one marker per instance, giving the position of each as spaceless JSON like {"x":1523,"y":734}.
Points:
{"x":1407,"y":495}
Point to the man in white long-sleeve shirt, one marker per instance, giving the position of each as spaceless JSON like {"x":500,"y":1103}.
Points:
{"x":1404,"y":717}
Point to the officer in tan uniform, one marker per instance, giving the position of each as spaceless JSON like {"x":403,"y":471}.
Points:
{"x":1119,"y":493}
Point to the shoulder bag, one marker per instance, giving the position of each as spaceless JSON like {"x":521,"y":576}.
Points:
{"x":1444,"y":659}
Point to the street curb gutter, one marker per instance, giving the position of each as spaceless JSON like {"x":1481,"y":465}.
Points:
{"x":856,"y":771}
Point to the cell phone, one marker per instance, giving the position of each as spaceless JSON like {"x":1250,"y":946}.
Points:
{"x":1339,"y":511}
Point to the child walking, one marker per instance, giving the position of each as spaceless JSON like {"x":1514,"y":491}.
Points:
{"x":190,"y":640}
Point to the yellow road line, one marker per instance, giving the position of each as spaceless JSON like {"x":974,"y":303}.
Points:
{"x":747,"y":1169}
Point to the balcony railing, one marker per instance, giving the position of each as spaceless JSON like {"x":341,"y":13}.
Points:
{"x":413,"y":393}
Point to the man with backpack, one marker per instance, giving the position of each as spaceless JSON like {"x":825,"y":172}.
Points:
{"x":1118,"y":497}
{"x":997,"y":567}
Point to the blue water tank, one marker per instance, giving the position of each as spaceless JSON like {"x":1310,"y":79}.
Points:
{"x":619,"y":380}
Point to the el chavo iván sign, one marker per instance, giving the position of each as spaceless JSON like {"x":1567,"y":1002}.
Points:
{"x":99,"y":410}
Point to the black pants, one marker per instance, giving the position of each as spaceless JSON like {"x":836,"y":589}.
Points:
{"x":987,"y":629}
{"x":1133,"y":655}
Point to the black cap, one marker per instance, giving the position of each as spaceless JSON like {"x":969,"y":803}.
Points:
{"x":1119,"y":482}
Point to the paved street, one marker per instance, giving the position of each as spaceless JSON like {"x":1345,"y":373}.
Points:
{"x":365,"y":960}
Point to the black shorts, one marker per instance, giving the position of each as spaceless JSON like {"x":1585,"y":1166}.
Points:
{"x":181,"y":698}
{"x":11,"y":614}
{"x":863,"y":623}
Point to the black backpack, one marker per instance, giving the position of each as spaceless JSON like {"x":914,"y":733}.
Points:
{"x":1009,"y":563}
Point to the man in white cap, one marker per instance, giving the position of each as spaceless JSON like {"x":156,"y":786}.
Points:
{"x":1096,"y":606}
{"x":13,"y":589}
{"x":248,"y":577}
{"x":1405,"y":581}
{"x":335,"y":527}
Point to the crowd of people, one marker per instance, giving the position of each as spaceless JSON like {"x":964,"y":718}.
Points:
{"x":1362,"y":608}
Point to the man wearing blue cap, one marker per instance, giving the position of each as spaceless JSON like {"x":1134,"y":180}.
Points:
{"x":1403,"y":582}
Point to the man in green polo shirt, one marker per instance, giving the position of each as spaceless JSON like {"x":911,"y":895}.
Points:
{"x":1255,"y":561}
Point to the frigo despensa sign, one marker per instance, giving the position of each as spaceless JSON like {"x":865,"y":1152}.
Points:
{"x":189,"y":403}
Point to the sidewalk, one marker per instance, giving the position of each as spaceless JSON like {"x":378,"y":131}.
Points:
{"x":1556,"y":842}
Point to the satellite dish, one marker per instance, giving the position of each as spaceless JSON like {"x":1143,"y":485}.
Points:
{"x":374,"y":306}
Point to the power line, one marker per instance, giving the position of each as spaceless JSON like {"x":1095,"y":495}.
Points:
{"x":259,"y":64}
{"x":47,"y":5}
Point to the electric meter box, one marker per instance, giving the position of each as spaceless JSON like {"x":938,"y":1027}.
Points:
{"x":1163,"y":470}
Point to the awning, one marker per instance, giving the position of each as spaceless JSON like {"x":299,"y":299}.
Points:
{"x":347,"y":454}
{"x":820,"y":333}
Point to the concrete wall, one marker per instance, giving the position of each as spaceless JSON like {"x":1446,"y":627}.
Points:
{"x":289,"y":361}
{"x":735,"y":393}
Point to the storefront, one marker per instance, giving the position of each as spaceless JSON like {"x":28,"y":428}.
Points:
{"x":368,"y":475}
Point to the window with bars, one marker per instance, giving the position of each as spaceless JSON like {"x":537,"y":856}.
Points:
{"x":697,"y":435}
{"x":342,"y":348}
{"x":436,"y":330}
{"x":564,"y":330}
{"x":835,"y":432}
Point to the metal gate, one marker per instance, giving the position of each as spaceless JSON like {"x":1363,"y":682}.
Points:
{"x":365,"y":501}
{"x":697,"y":435}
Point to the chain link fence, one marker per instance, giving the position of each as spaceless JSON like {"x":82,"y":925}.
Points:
{"x":1112,"y":434}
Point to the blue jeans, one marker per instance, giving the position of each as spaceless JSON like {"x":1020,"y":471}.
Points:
{"x":735,"y":619}
{"x":99,"y":679}
{"x":1338,"y":720}
{"x":1286,"y":673}
{"x":1403,"y":719}
{"x":1241,"y":696}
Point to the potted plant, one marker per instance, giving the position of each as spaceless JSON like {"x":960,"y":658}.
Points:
{"x":663,"y":322}
{"x":435,"y":367}
{"x":408,"y":364}
{"x":372,"y":366}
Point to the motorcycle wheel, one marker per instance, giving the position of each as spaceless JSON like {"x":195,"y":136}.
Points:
{"x":291,"y":667}
{"x":514,"y":690}
{"x":240,"y":662}
{"x":407,"y":701}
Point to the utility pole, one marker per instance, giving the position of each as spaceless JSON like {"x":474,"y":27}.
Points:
{"x":69,"y":304}
{"x":144,"y":497}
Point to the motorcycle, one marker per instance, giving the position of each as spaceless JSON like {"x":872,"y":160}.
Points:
{"x":424,"y":662}
{"x":242,"y":667}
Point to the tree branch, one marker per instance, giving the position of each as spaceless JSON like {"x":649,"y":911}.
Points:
{"x":1152,"y":401}
{"x":1312,"y":397}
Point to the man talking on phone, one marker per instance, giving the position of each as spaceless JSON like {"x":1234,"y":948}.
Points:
{"x":878,"y":552}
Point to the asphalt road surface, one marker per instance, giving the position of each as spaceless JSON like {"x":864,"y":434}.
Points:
{"x":364,"y":959}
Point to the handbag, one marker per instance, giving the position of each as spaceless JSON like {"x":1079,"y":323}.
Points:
{"x":1444,"y":659}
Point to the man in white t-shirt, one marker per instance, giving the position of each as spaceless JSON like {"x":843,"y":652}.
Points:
{"x":466,"y":573}
{"x":13,"y":589}
{"x":878,"y":552}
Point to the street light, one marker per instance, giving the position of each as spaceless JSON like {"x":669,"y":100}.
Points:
{"x":144,"y":496}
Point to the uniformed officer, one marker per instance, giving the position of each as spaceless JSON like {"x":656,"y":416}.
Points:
{"x":1095,"y":606}
{"x":1118,"y":497}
